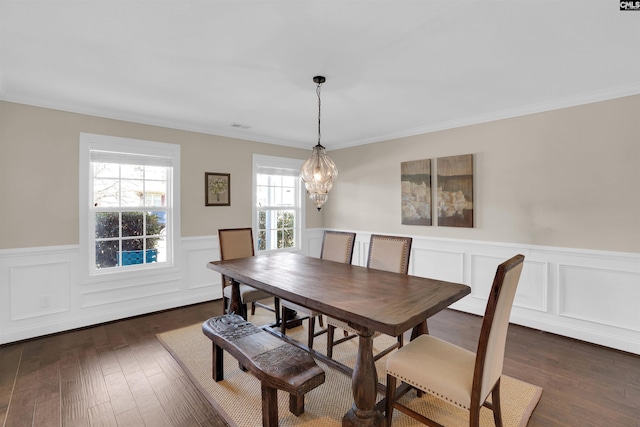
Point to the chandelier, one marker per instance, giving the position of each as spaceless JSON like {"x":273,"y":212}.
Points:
{"x":319,"y":171}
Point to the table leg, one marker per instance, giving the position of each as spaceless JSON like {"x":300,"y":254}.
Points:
{"x":235,"y":303}
{"x":364,"y":384}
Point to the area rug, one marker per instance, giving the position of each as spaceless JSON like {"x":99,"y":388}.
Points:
{"x":239,"y":401}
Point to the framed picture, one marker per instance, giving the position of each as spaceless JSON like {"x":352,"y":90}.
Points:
{"x":455,"y":191}
{"x":415,"y":178}
{"x":217,"y":189}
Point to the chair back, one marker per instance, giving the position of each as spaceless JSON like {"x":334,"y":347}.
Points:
{"x":493,"y":334}
{"x":338,"y":246}
{"x":389,"y":253}
{"x":235,"y":243}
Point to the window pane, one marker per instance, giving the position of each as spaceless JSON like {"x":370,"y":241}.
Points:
{"x":107,"y":225}
{"x":288,"y":238}
{"x":132,"y":193}
{"x":289,"y":181}
{"x":107,"y":254}
{"x":262,"y":179}
{"x":132,"y":224}
{"x":132,"y":245}
{"x":156,"y":172}
{"x":160,"y":245}
{"x":105,"y":192}
{"x":132,"y":171}
{"x":262,"y":240}
{"x":262,"y":220}
{"x":106,"y":170}
{"x":261,"y":196}
{"x":288,"y":197}
{"x":156,"y":222}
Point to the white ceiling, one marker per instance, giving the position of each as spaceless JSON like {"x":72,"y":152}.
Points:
{"x":393,"y":68}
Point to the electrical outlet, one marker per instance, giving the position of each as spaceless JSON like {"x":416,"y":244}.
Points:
{"x":45,"y":301}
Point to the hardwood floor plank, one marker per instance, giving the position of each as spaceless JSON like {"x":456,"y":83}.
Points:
{"x":170,"y":393}
{"x":9,"y":364}
{"x":130,"y":418}
{"x":120,"y":396}
{"x":148,"y":404}
{"x":47,"y":412}
{"x":102,"y":415}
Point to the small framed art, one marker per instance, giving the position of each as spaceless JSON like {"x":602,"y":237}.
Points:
{"x":217,"y":189}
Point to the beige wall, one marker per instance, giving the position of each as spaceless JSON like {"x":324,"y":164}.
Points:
{"x":568,"y":178}
{"x":39,"y":174}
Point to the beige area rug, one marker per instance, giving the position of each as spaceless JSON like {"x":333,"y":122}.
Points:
{"x":239,"y":401}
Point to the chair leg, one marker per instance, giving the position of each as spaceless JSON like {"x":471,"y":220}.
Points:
{"x":391,"y":391}
{"x":330,"y":333}
{"x":474,"y":416}
{"x":495,"y":402}
{"x":276,"y":306}
{"x":253,"y":308}
{"x":311,"y":332}
{"x":283,"y":323}
{"x":320,"y":321}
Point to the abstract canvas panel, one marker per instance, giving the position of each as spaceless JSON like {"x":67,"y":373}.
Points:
{"x":455,"y":191}
{"x":416,"y":192}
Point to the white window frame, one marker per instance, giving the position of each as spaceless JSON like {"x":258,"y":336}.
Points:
{"x":288,"y":166}
{"x":127,"y":147}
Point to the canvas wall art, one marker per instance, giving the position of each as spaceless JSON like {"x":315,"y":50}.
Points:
{"x":455,"y":191}
{"x":416,"y":192}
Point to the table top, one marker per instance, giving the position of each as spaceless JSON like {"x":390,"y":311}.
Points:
{"x":378,"y":300}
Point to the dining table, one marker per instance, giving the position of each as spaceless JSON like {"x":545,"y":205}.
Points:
{"x":369,"y":300}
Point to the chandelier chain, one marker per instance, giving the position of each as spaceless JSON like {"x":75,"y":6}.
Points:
{"x":318,"y":92}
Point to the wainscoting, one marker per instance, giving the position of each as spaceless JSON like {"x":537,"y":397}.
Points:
{"x":589,"y":295}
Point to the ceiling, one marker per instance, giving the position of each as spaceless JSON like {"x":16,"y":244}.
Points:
{"x":244,"y":69}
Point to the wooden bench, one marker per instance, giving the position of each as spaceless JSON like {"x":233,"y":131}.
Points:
{"x":277,"y":364}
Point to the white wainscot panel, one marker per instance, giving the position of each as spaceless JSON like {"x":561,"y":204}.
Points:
{"x":437,"y":264}
{"x":532,"y":287}
{"x":125,"y":292}
{"x":39,"y":289}
{"x":600,"y":295}
{"x":483,"y":270}
{"x":198,"y":275}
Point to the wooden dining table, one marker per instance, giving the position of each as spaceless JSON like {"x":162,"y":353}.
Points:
{"x":368,"y":300}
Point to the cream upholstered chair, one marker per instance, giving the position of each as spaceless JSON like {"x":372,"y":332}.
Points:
{"x":336,"y":246}
{"x":238,"y":243}
{"x":452,"y":373}
{"x":388,"y":253}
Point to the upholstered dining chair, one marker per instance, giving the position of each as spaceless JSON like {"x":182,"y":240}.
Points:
{"x":455,"y":374}
{"x":388,"y":253}
{"x":336,"y":246}
{"x":238,"y":243}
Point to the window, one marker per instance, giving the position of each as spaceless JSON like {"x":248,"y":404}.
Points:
{"x":128,"y":204}
{"x":278,"y":208}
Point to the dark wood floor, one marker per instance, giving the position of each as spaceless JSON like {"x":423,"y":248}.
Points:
{"x":118,"y":374}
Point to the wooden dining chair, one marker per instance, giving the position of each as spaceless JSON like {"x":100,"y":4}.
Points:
{"x":388,"y":253}
{"x":336,"y":246}
{"x":455,"y":374}
{"x":238,"y":243}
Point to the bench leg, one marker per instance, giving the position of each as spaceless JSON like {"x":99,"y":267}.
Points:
{"x":269,"y":406}
{"x":217,"y":363}
{"x":296,"y":404}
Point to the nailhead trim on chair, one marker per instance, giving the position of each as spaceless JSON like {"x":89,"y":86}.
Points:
{"x":418,"y":386}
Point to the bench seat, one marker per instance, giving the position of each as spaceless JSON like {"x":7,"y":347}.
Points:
{"x":278,"y":364}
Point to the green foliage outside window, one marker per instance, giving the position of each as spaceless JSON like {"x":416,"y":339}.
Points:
{"x":285,"y":221}
{"x":133,"y":235}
